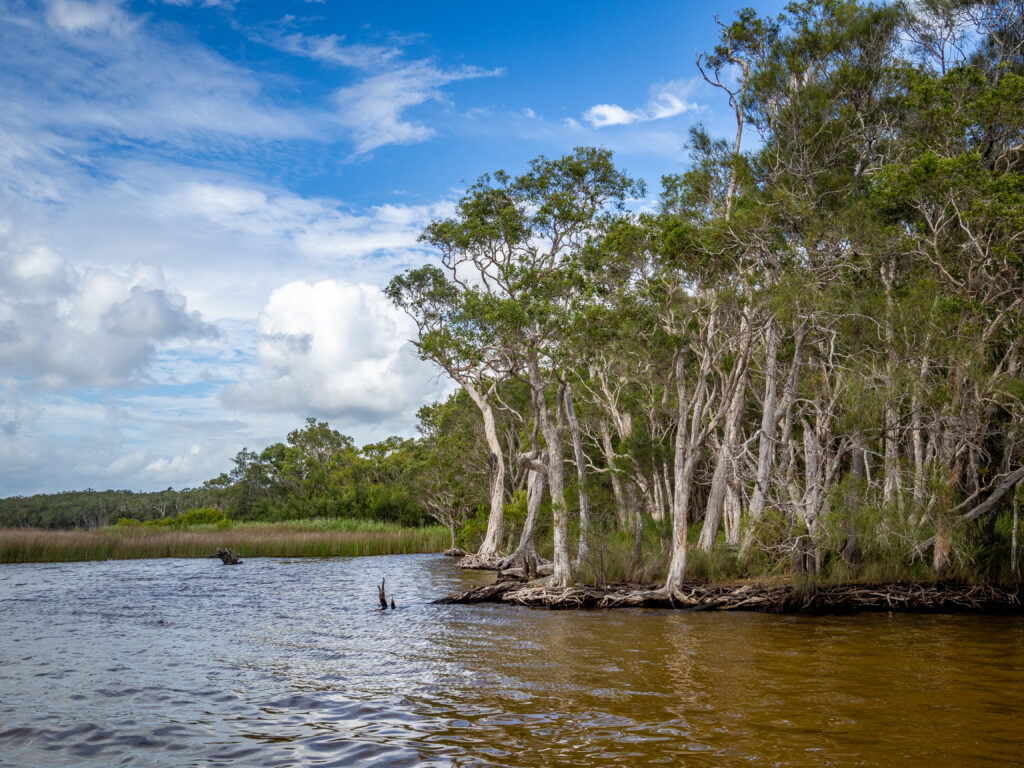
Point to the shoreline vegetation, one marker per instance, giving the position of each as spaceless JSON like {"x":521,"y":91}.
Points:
{"x":300,"y":538}
{"x":802,"y":360}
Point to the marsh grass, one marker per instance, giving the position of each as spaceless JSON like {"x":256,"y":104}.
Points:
{"x":612,"y":558}
{"x":300,"y":538}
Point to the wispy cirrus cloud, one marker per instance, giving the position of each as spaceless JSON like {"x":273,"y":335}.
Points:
{"x":99,"y":16}
{"x":334,"y":49}
{"x":664,"y":100}
{"x":374,"y":109}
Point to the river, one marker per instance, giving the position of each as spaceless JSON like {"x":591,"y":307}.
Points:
{"x":291,"y":662}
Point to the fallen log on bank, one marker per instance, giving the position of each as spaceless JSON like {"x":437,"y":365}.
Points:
{"x":784,"y":598}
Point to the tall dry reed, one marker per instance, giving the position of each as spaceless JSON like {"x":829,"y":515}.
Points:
{"x":28,"y":545}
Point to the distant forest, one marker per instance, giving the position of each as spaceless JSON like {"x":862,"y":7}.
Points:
{"x":315,"y":472}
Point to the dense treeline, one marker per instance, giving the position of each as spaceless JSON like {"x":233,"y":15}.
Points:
{"x":90,"y":509}
{"x":316,"y":472}
{"x":809,"y":353}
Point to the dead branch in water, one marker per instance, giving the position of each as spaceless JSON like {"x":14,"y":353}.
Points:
{"x":227,"y":557}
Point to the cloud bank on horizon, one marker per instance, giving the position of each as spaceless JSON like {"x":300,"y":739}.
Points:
{"x":201,"y":201}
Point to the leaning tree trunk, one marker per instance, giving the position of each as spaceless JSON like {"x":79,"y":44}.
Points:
{"x":496,"y":462}
{"x":723,"y":467}
{"x":769,"y":420}
{"x":613,"y":472}
{"x":534,"y":494}
{"x":766,"y":441}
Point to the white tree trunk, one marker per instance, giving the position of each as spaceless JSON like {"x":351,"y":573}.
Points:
{"x":733,"y":511}
{"x":766,"y":442}
{"x":581,"y":474}
{"x":552,"y":431}
{"x":724,"y":463}
{"x":495,"y":522}
{"x":609,"y":459}
{"x":891,"y":484}
{"x":682,"y":471}
{"x":666,"y":484}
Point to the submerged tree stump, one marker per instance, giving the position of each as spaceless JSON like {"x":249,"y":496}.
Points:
{"x":227,"y":557}
{"x":380,"y":594}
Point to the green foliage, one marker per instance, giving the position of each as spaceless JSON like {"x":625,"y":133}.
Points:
{"x":204,"y":516}
{"x":474,"y":530}
{"x":612,"y":557}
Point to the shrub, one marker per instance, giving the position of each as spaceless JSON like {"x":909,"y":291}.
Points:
{"x":202,"y":516}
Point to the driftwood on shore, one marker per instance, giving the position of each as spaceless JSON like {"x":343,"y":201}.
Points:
{"x":227,"y":557}
{"x":786,"y":598}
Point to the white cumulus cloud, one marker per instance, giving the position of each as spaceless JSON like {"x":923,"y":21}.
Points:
{"x":336,"y":349}
{"x":62,"y":326}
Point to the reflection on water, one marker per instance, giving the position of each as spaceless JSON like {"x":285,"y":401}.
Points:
{"x":290,"y":662}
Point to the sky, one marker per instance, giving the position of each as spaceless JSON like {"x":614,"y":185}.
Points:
{"x":200,"y":202}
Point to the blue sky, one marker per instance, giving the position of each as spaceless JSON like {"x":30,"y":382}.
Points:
{"x":199,"y":203}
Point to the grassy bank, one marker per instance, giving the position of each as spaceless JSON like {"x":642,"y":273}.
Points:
{"x":300,"y":538}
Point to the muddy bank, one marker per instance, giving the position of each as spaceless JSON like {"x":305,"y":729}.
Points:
{"x":786,"y":598}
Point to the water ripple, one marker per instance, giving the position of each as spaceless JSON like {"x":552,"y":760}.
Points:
{"x":290,"y":662}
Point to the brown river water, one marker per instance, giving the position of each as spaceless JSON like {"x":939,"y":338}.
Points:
{"x":291,"y":662}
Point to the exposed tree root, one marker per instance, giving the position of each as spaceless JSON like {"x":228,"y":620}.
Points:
{"x":849,"y":598}
{"x":455,"y":552}
{"x":480,"y":562}
{"x":522,"y":565}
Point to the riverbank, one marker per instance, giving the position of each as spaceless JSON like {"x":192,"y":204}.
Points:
{"x":300,"y":538}
{"x":807,"y":597}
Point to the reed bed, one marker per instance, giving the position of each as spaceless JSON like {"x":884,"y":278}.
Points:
{"x":34,"y":545}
